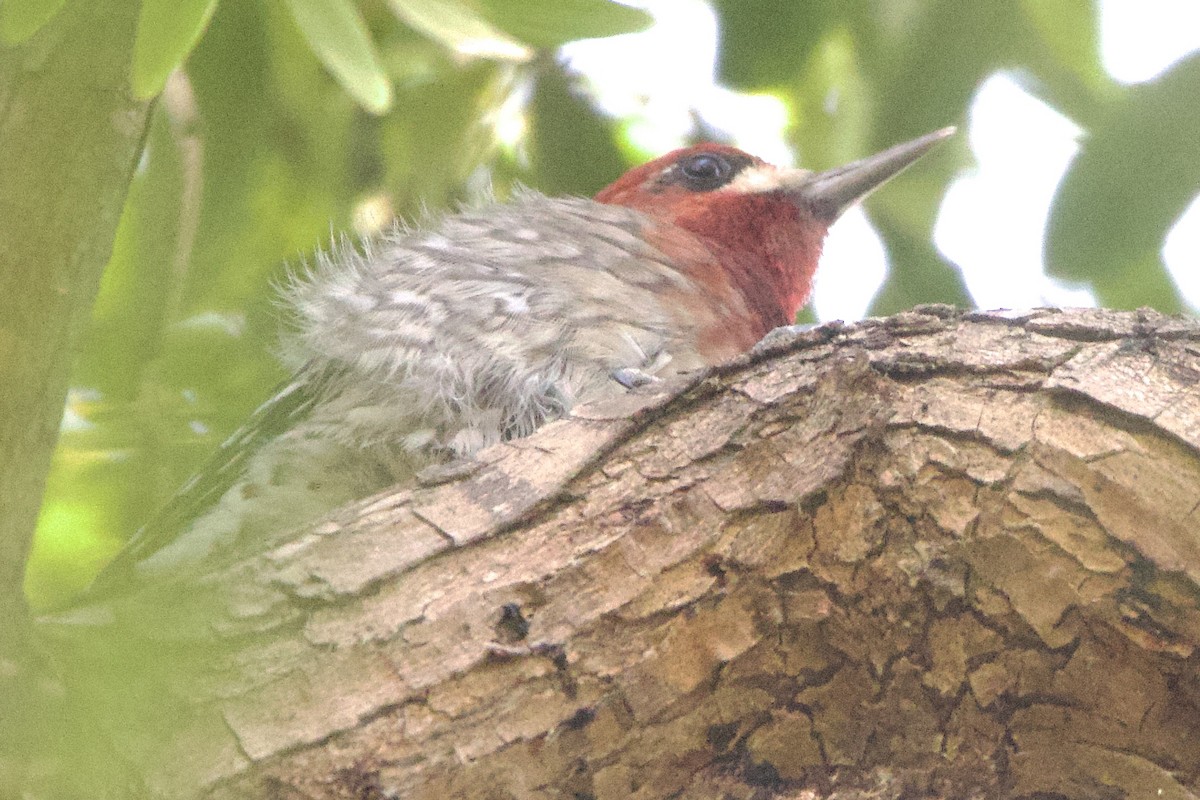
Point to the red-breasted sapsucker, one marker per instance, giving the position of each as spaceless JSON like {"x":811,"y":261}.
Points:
{"x":424,"y":345}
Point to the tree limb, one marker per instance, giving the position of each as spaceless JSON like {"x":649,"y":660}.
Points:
{"x":71,"y":134}
{"x":938,"y":554}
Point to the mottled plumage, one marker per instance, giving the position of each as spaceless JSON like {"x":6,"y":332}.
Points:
{"x":425,"y":345}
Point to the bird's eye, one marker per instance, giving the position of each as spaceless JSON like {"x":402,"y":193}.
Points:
{"x":705,"y":171}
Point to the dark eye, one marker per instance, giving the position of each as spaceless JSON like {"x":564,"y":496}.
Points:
{"x":705,"y":171}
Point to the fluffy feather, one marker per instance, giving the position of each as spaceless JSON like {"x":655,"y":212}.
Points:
{"x":428,"y":344}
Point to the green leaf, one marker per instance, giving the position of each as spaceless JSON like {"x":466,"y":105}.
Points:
{"x":168,"y":30}
{"x":550,"y":23}
{"x":1138,"y":170}
{"x":1063,"y":66}
{"x":572,"y":147}
{"x":443,"y":125}
{"x":929,"y":61}
{"x":828,"y":133}
{"x":1139,"y":283}
{"x":20,"y":19}
{"x":459,"y":27}
{"x":765,"y":43}
{"x":339,"y":38}
{"x":142,"y":274}
{"x":916,"y":272}
{"x":1070,"y":30}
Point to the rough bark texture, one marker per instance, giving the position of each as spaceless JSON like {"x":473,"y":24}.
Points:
{"x":941,"y":554}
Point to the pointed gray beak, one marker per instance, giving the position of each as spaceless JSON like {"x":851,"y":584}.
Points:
{"x":831,"y":192}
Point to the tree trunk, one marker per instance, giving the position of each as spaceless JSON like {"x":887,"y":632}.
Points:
{"x":70,"y":135}
{"x":940,"y":554}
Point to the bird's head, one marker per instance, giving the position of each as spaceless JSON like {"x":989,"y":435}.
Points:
{"x":760,"y":228}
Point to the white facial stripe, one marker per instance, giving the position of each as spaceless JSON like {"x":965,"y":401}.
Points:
{"x":765,"y":178}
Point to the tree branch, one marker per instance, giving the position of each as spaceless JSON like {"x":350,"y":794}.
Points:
{"x":943,"y":553}
{"x":71,"y":136}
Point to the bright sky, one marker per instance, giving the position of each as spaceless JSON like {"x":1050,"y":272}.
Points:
{"x":1021,"y":147}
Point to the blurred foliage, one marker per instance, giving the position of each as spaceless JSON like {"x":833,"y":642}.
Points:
{"x":1138,"y":173}
{"x":20,"y":19}
{"x":292,"y":120}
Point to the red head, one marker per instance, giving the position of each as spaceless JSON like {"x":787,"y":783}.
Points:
{"x":761,"y":227}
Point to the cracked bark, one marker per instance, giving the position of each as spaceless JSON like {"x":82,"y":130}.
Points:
{"x":940,"y":554}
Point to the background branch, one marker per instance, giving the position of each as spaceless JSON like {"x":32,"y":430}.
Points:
{"x":71,"y":136}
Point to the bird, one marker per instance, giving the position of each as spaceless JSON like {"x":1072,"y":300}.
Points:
{"x":427,"y":344}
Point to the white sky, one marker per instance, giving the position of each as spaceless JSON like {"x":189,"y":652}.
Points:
{"x":1021,"y":147}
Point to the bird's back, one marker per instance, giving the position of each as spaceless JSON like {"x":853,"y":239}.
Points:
{"x":424,"y":345}
{"x":487,"y":325}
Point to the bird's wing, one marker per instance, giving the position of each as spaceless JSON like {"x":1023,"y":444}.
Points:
{"x":290,"y":404}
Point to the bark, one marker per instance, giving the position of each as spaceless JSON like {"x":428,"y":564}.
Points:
{"x":940,"y":554}
{"x":70,"y":135}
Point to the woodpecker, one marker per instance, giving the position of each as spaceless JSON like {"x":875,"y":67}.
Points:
{"x":425,"y":345}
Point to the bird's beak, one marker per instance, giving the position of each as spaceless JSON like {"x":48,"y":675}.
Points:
{"x":831,"y":192}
